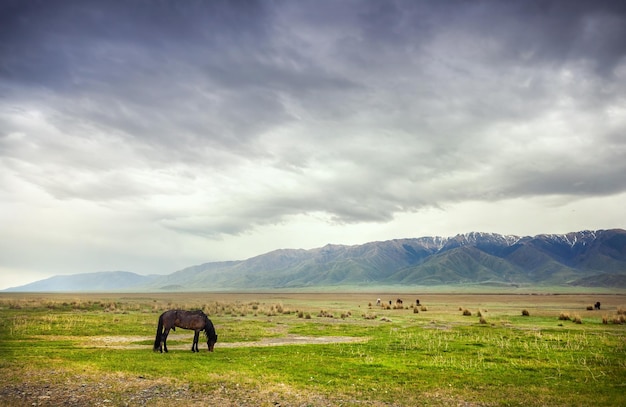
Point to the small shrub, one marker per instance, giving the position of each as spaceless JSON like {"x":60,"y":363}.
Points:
{"x":482,"y":320}
{"x":307,"y":316}
{"x":589,"y":307}
{"x":423,"y":308}
{"x":479,"y":314}
{"x":564,"y":316}
{"x":621,"y":311}
{"x":525,"y":313}
{"x":300,"y":314}
{"x":416,"y":311}
{"x":467,"y":312}
{"x":605,"y":319}
{"x":577,"y":319}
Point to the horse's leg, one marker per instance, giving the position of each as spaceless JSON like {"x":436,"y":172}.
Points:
{"x":194,"y":346}
{"x":165,"y":333}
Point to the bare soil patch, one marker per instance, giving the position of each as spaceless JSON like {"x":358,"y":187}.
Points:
{"x":122,"y":390}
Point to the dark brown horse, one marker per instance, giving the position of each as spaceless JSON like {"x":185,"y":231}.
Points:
{"x":194,"y":320}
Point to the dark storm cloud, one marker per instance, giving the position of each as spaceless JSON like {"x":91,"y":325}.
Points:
{"x":357,"y":109}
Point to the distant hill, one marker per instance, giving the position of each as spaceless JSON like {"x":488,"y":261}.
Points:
{"x":100,"y":281}
{"x":587,"y":258}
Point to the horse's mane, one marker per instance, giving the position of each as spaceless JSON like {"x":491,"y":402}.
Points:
{"x":209,"y":329}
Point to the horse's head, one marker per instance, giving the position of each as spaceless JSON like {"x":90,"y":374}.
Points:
{"x":211,"y":341}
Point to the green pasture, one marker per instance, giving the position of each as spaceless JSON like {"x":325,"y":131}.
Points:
{"x":436,"y":356}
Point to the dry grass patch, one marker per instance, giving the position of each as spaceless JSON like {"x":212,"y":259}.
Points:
{"x":564,"y":316}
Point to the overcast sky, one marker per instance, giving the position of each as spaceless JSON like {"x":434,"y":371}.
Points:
{"x":149,"y":136}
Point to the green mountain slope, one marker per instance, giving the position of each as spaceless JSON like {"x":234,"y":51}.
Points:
{"x":587,"y":258}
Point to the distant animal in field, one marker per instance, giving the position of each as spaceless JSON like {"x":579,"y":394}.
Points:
{"x":398,"y":301}
{"x":193,"y":320}
{"x":417,"y":302}
{"x":378,"y":302}
{"x":596,"y":305}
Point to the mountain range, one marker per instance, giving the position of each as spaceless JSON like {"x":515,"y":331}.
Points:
{"x":586,"y":258}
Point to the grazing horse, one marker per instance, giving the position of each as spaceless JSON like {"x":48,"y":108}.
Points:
{"x":194,"y":320}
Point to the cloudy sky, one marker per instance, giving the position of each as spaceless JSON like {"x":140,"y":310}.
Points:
{"x":152,"y":135}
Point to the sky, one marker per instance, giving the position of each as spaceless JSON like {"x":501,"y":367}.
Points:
{"x":152,"y":135}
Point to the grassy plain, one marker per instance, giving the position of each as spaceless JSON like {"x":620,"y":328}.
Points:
{"x":311,"y":349}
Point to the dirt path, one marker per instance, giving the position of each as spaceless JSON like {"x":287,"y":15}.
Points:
{"x":132,"y":342}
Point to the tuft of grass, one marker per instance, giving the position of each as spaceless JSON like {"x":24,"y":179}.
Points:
{"x":564,"y":316}
{"x":467,"y":312}
{"x":525,"y":313}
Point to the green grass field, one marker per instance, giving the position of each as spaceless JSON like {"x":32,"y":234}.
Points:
{"x":315,"y":349}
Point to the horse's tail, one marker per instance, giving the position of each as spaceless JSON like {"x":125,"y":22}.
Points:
{"x":157,"y":340}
